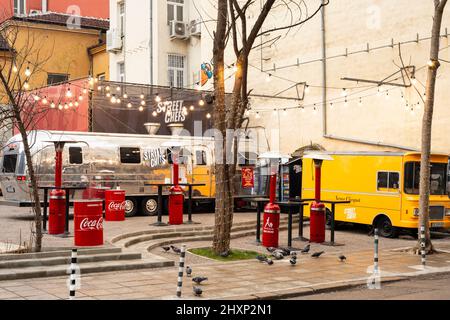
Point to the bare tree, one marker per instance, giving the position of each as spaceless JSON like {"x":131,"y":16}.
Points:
{"x":433,"y":66}
{"x":22,"y":59}
{"x":233,"y":22}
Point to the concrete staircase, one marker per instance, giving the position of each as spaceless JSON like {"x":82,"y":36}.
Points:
{"x":147,"y":240}
{"x":56,"y":263}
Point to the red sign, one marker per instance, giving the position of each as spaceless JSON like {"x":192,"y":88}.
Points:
{"x":248,"y":178}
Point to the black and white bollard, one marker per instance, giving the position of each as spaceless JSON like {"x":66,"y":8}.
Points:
{"x":73,"y":275}
{"x":422,"y":246}
{"x":181,"y":270}
{"x":375,"y":254}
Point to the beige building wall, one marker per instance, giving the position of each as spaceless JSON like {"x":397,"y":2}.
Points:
{"x":352,"y":26}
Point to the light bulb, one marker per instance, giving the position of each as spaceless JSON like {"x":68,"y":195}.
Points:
{"x":60,"y":107}
{"x":91,"y":81}
{"x":360,"y":102}
{"x":378,"y":92}
{"x":66,"y":106}
{"x":26,"y":85}
{"x":108,"y":95}
{"x":201,"y":103}
{"x":143,"y":103}
{"x":185,"y":112}
{"x":113,"y":99}
{"x":53,"y":105}
{"x":129,"y":105}
{"x":208,"y":116}
{"x":142,"y":96}
{"x":257,"y":115}
{"x":141,"y":108}
{"x":414,"y":81}
{"x":14,"y":69}
{"x":192,"y":108}
{"x":85,"y":91}
{"x":44,"y":101}
{"x":303,"y":109}
{"x":76,"y":104}
{"x":155,"y":113}
{"x":107,"y":88}
{"x":331,"y":105}
{"x":99,"y":88}
{"x":71,"y":104}
{"x":80,"y":98}
{"x":69,"y":93}
{"x":307,"y":89}
{"x":274,"y":112}
{"x":28,"y":72}
{"x":118,"y":89}
{"x":125,"y":96}
{"x":346,"y":103}
{"x":387,"y":94}
{"x":36,"y":98}
{"x":269,"y":78}
{"x":344,"y":92}
{"x":315,"y":110}
{"x":158,"y":98}
{"x":118,"y":100}
{"x":247,"y":113}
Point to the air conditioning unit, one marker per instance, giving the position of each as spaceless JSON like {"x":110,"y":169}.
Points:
{"x":113,"y":40}
{"x":178,"y":30}
{"x":34,"y":12}
{"x":195,"y":28}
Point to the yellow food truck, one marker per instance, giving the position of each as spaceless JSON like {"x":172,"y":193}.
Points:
{"x":383,"y":188}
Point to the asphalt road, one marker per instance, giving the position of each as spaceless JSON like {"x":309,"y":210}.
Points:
{"x":435,"y":287}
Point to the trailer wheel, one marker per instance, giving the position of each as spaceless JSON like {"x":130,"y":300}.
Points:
{"x":149,"y":206}
{"x":131,"y":207}
{"x":385,"y":227}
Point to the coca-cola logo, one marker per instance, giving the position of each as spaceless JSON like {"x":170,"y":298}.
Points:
{"x":116,"y":206}
{"x":93,"y":224}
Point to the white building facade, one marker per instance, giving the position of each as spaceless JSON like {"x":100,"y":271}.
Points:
{"x":305,"y":68}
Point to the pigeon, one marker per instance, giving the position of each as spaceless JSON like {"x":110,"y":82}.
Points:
{"x":286,"y":251}
{"x":278,"y":255}
{"x":342,"y":258}
{"x":317,"y":254}
{"x":269,"y":262}
{"x":306,"y":249}
{"x":175,"y":249}
{"x":293,"y":260}
{"x":225,"y":254}
{"x":199,"y":280}
{"x":261,"y":258}
{"x":166,"y":248}
{"x":188,"y":271}
{"x":197,"y":291}
{"x":294,"y":254}
{"x":271,"y":249}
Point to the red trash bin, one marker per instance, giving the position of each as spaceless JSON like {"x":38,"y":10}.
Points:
{"x":271,"y":226}
{"x":115,"y":205}
{"x":88,"y":220}
{"x":317,"y":222}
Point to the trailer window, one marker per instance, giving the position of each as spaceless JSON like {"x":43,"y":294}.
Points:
{"x":183,"y":157}
{"x":9,"y":163}
{"x":130,"y":155}
{"x":388,"y":180}
{"x":200,"y":158}
{"x":75,"y":155}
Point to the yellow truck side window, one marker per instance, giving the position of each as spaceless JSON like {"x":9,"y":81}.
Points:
{"x":388,"y":181}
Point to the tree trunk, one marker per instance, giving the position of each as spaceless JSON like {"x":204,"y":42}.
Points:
{"x":427,"y":122}
{"x":224,"y":206}
{"x":37,"y":247}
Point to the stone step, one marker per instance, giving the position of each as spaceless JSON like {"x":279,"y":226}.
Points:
{"x":85,"y":268}
{"x":121,"y":239}
{"x":129,"y":242}
{"x":37,"y":262}
{"x":59,"y":253}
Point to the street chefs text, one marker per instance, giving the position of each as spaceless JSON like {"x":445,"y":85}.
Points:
{"x":174,"y":111}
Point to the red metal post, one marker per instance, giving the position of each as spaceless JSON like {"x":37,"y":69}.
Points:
{"x":273,"y":187}
{"x":318,"y":167}
{"x":58,"y":164}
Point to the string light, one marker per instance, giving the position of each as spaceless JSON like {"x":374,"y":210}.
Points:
{"x":315,"y":110}
{"x":76,"y":104}
{"x":14,"y":68}
{"x":257,"y":116}
{"x":192,"y":108}
{"x":158,"y":98}
{"x":247,"y":113}
{"x":125,"y":95}
{"x":269,"y":77}
{"x":80,"y":98}
{"x":275,"y":112}
{"x":284,"y":112}
{"x":141,"y":108}
{"x":201,"y":103}
{"x":303,"y":109}
{"x":307,"y":89}
{"x":36,"y":98}
{"x":378,"y":92}
{"x":108,"y":95}
{"x":26,"y":85}
{"x":143,"y":103}
{"x":113,"y":99}
{"x":344,"y":92}
{"x":44,"y":101}
{"x":60,"y":107}
{"x":208,"y":115}
{"x":346,"y":103}
{"x":129,"y":105}
{"x":387,"y":94}
{"x":68,"y":93}
{"x":331,"y":105}
{"x":99,"y":88}
{"x":118,"y":100}
{"x":85,"y":91}
{"x":53,"y":105}
{"x":107,"y":88}
{"x":142,"y":96}
{"x":155,"y":113}
{"x":360,"y":102}
{"x":414,"y":80}
{"x":118,"y":89}
{"x":66,"y":106}
{"x":28,"y":71}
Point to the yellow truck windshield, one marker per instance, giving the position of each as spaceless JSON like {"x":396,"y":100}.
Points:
{"x":438,"y":179}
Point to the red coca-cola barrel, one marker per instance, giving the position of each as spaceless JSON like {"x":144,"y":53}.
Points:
{"x":271,"y":226}
{"x":115,"y":205}
{"x":88,"y":220}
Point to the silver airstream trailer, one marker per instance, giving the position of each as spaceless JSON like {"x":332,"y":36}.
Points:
{"x":99,"y":161}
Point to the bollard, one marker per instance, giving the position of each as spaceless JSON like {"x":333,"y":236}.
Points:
{"x":422,"y":246}
{"x":375,"y":255}
{"x":181,"y":270}
{"x":73,"y":265}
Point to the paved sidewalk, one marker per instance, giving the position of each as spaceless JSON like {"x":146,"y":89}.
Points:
{"x":234,"y":280}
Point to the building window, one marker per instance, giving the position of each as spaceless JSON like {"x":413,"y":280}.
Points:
{"x":175,"y":10}
{"x":121,"y":71}
{"x":130,"y":155}
{"x":55,"y":78}
{"x":121,"y":12}
{"x":20,"y":7}
{"x":101,"y":77}
{"x":176,"y":69}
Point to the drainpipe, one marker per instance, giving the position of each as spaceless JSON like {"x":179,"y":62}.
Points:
{"x":151,"y":42}
{"x":324,"y":99}
{"x":44,"y":6}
